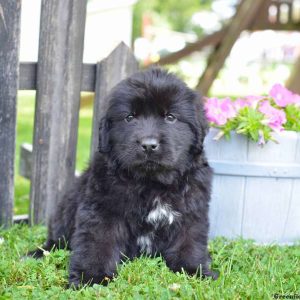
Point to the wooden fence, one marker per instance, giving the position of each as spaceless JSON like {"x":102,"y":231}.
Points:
{"x":58,"y":78}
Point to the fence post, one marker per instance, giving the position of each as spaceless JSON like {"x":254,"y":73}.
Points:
{"x":110,"y":71}
{"x":57,"y":103}
{"x":9,"y":77}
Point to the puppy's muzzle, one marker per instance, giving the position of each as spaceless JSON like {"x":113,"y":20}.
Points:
{"x":149,"y":144}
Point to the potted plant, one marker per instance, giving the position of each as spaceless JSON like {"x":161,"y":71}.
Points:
{"x":254,"y":148}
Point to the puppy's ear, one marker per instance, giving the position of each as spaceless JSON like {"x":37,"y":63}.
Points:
{"x":202,"y":125}
{"x":104,"y":145}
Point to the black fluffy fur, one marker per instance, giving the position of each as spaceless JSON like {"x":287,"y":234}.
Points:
{"x":105,"y":213}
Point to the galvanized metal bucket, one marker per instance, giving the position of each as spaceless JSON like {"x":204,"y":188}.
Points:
{"x":256,"y":190}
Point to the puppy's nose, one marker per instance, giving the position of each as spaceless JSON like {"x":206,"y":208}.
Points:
{"x":149,"y":144}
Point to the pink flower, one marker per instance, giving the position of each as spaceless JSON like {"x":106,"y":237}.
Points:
{"x":247,"y":101}
{"x":275,"y":118}
{"x":219,"y":111}
{"x":240,"y":103}
{"x":253,"y":100}
{"x":281,"y":95}
{"x":296,"y":99}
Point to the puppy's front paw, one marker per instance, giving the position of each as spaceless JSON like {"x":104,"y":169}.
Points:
{"x":75,"y":280}
{"x":38,"y":253}
{"x":80,"y":279}
{"x":210,"y":273}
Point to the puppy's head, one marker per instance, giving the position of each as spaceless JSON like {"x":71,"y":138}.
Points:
{"x":154,"y":123}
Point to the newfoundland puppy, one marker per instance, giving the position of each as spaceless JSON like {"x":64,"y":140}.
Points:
{"x":148,"y":188}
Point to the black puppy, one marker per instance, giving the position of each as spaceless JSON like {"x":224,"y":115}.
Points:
{"x":148,"y":188}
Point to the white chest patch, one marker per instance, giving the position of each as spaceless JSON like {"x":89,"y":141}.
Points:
{"x":161,"y":213}
{"x":145,"y":243}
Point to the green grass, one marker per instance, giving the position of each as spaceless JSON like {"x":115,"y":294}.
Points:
{"x":247,"y":271}
{"x":25,"y":120}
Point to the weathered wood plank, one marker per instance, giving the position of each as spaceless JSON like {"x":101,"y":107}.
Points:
{"x":21,"y":219}
{"x":117,"y":66}
{"x":88,"y":78}
{"x":265,"y":211}
{"x":223,"y":222}
{"x":28,"y":73}
{"x":292,"y":228}
{"x":25,"y":166}
{"x":9,"y":78}
{"x":243,"y":19}
{"x":27,"y":80}
{"x":57,"y":105}
{"x":275,"y":196}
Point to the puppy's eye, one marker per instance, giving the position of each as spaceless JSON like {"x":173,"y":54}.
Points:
{"x":170,"y":118}
{"x":129,"y":118}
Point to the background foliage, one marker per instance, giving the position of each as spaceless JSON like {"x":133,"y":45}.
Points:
{"x":174,"y":13}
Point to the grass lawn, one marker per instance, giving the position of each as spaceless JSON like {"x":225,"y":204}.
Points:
{"x":246,"y":271}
